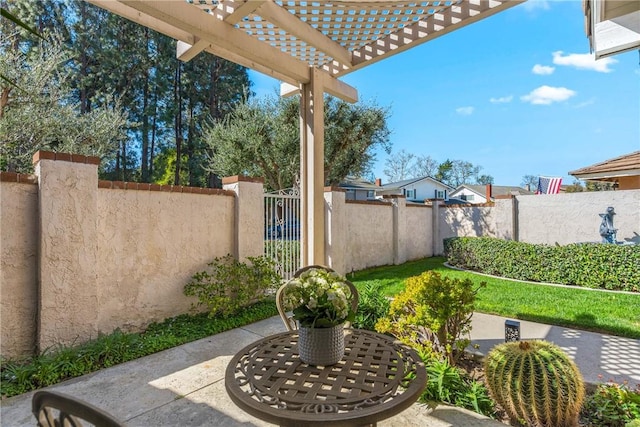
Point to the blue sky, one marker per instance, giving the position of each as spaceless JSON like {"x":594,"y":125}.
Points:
{"x":516,"y":93}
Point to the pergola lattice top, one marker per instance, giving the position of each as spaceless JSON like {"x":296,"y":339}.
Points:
{"x":282,"y":38}
{"x":351,"y":24}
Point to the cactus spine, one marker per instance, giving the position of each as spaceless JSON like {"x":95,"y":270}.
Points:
{"x":536,"y":383}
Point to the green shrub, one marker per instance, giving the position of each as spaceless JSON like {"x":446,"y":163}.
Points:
{"x":452,"y":385}
{"x":612,"y":405}
{"x":372,"y":305}
{"x":603,"y":266}
{"x":229,"y":285}
{"x":536,"y":383}
{"x":433,"y":309}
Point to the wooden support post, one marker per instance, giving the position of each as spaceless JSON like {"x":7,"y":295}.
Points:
{"x":312,"y":170}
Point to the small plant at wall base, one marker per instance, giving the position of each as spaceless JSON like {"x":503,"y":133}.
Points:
{"x":228,"y":285}
{"x":434,"y":310}
{"x":612,"y":405}
{"x":372,"y":306}
{"x":450,"y":384}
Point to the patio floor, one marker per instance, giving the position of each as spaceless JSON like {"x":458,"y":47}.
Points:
{"x":185,"y":385}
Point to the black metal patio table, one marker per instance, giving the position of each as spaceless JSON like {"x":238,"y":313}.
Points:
{"x":377,"y":378}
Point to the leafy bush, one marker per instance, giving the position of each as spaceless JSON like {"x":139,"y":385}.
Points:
{"x":434,"y":310}
{"x":452,"y":385}
{"x":229,"y":285}
{"x":603,"y":266}
{"x":372,"y":306}
{"x":612,"y":405}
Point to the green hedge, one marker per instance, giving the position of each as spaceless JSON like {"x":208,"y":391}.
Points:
{"x":592,"y":265}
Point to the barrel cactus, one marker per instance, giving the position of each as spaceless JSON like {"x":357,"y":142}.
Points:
{"x":536,"y":383}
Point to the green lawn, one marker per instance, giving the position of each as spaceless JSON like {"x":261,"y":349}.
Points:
{"x":606,"y":312}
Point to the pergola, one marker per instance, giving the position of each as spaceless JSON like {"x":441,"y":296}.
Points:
{"x":307,"y":45}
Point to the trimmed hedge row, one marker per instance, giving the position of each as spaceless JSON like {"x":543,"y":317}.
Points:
{"x":592,"y":265}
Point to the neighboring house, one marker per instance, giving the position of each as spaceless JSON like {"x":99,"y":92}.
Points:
{"x":476,"y":194}
{"x":623,"y":172}
{"x":359,"y":189}
{"x":417,"y":189}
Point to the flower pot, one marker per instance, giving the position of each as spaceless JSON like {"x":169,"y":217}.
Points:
{"x":321,"y":346}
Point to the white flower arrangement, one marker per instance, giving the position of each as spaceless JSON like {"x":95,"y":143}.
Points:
{"x":319,"y":299}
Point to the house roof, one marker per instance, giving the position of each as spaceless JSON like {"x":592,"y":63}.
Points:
{"x":610,"y":170}
{"x":405,"y":182}
{"x":496,"y":190}
{"x":358,"y":184}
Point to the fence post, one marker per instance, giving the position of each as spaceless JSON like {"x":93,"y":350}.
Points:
{"x":249,"y":215}
{"x":435,"y":211}
{"x":68,"y":248}
{"x":399,"y":204}
{"x":336,"y":230}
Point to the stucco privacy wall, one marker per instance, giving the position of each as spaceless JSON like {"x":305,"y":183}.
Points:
{"x":573,"y":218}
{"x":492,"y":219}
{"x":149,"y":245}
{"x":369,"y":232}
{"x":417,"y":236}
{"x":361,"y":234}
{"x":18,"y":268}
{"x":119,"y":255}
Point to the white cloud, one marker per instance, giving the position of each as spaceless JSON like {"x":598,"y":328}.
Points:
{"x":546,"y":95}
{"x":501,"y":100}
{"x":465,"y":111}
{"x":583,"y":61}
{"x":532,"y":5}
{"x":543,"y":70}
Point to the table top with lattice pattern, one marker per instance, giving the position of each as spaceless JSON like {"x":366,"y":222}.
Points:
{"x":376,"y":379}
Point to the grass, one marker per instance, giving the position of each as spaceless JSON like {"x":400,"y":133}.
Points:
{"x":591,"y":310}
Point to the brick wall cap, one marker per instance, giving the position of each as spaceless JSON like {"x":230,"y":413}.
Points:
{"x":241,"y":178}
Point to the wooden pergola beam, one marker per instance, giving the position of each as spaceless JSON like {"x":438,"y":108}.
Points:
{"x":303,"y":31}
{"x":223,"y":38}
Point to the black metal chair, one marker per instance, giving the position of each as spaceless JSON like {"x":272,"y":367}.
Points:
{"x":53,"y":409}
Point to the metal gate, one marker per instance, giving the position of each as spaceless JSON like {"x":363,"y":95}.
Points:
{"x":282,"y":230}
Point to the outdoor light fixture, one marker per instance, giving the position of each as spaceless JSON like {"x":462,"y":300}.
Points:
{"x":511,"y":330}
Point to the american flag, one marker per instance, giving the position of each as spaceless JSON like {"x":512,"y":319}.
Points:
{"x":548,"y":185}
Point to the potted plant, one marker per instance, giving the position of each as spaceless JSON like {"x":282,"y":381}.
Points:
{"x":321,"y":301}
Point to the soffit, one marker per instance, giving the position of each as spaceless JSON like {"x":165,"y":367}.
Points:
{"x":285,"y":38}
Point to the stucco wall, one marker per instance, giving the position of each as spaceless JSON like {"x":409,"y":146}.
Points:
{"x":370,"y":236}
{"x":149,"y":245}
{"x":416,"y":238}
{"x":573,"y":218}
{"x":470,"y":221}
{"x":18,"y":266}
{"x":547,"y":219}
{"x":77,"y":260}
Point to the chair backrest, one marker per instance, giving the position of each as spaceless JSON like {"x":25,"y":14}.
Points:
{"x":287,"y":318}
{"x":58,"y":409}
